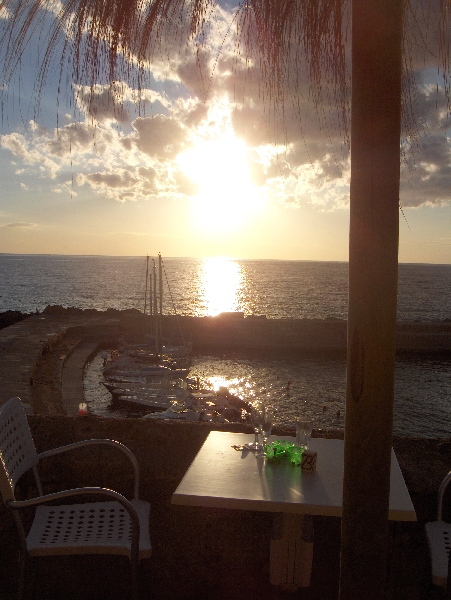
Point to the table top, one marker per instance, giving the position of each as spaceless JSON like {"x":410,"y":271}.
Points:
{"x":222,"y":477}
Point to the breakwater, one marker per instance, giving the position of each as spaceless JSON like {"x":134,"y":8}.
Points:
{"x":234,"y":332}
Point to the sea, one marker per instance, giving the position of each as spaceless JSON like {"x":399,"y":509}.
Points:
{"x":275,"y":288}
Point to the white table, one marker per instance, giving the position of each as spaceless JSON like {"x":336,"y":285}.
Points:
{"x":221,"y":477}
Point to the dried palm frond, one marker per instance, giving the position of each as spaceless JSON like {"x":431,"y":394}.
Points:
{"x":290,"y":41}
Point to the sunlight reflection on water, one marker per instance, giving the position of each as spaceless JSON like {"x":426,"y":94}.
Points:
{"x":221,"y":283}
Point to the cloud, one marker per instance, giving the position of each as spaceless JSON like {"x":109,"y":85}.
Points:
{"x":132,"y":233}
{"x":426,"y":165}
{"x":19,"y":225}
{"x":296,"y":156}
{"x":115,"y":103}
{"x":23,"y":149}
{"x":124,"y":184}
{"x":78,"y":138}
{"x":159,"y":136}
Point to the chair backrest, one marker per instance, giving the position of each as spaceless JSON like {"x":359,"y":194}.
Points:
{"x":17,"y":450}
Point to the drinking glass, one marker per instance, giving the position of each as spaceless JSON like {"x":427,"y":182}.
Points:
{"x":303,"y":432}
{"x":266,"y":426}
{"x":256,"y":418}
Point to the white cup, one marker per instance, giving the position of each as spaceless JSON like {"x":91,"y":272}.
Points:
{"x":303,"y":432}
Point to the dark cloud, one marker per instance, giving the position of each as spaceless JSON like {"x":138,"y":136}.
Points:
{"x":112,"y":179}
{"x":159,"y":136}
{"x":103,"y":103}
{"x":195,"y":115}
{"x":124,"y":184}
{"x":426,"y":165}
{"x":195,"y":74}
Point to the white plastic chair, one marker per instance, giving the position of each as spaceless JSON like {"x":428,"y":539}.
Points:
{"x":116,"y":526}
{"x":438,"y":534}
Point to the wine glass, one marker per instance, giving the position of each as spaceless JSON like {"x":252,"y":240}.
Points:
{"x":266,"y":427}
{"x":256,"y":417}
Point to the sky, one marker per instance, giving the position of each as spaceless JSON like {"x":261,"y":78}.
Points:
{"x":199,"y":170}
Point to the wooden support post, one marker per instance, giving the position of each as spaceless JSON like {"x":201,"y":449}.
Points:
{"x":373,"y":272}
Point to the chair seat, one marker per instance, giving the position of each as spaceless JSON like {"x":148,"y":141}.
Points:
{"x":438,"y":534}
{"x":93,"y":528}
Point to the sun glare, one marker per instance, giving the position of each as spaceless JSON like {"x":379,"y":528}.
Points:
{"x":227,"y":198}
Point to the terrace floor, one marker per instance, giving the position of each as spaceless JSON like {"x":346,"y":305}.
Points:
{"x":206,"y":554}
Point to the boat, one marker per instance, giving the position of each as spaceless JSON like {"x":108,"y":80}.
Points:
{"x":115,"y":381}
{"x":128,"y":367}
{"x":207,"y":406}
{"x":156,"y":402}
{"x":149,"y":372}
{"x":176,"y":411}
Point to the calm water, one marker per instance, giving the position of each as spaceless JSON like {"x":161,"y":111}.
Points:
{"x":278,"y":289}
{"x":422,"y":390}
{"x":197,"y":287}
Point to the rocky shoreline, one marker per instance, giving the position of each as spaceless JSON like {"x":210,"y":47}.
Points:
{"x":10,"y":317}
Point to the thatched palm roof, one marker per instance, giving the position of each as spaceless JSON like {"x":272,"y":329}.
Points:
{"x":287,"y":42}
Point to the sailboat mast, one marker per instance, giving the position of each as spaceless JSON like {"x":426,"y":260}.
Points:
{"x":145,"y":292}
{"x":150,"y":295}
{"x":160,"y":274}
{"x":155,"y":305}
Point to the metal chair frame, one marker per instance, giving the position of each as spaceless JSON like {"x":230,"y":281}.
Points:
{"x":18,"y":455}
{"x":438,"y":535}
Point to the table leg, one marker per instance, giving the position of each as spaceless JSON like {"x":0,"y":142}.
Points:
{"x":291,"y":550}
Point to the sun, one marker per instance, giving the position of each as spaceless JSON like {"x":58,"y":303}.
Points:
{"x":227,"y":198}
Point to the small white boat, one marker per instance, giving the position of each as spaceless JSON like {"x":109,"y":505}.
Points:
{"x":176,"y":351}
{"x":207,"y":406}
{"x":123,"y":380}
{"x":176,"y":411}
{"x":156,"y":403}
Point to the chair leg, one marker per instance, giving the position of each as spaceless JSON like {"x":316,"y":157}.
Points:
{"x":448,"y":582}
{"x":22,"y":573}
{"x":135,"y":580}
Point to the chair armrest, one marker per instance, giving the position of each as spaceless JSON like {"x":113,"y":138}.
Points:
{"x":83,"y":491}
{"x":99,"y":442}
{"x":441,"y":492}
